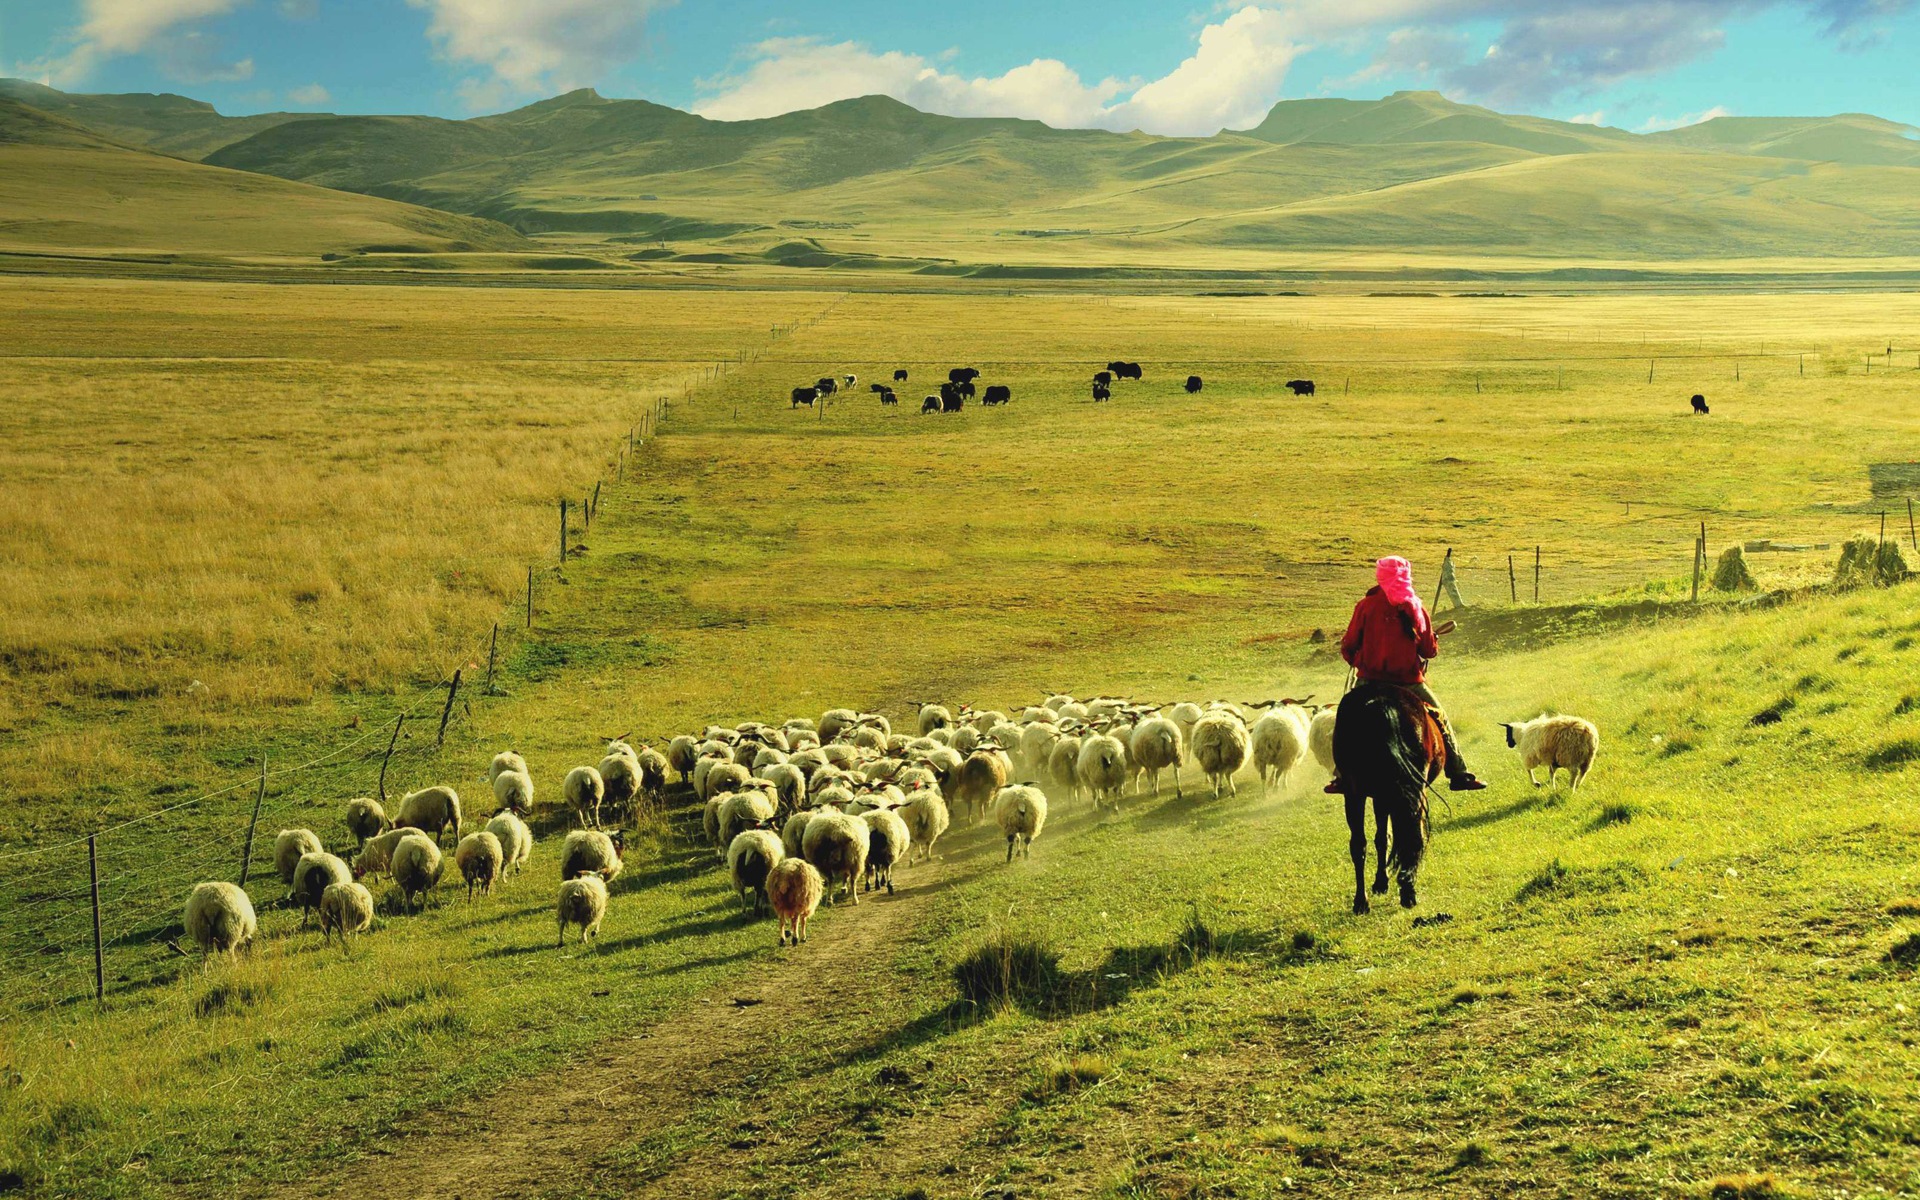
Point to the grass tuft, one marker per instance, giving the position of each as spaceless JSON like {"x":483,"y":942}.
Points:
{"x":1615,"y":814}
{"x":1060,"y":1076}
{"x":1893,"y":755}
{"x":407,"y":995}
{"x":1472,"y":1154}
{"x":1007,"y":970}
{"x":1905,"y":952}
{"x":1772,"y":713}
{"x":1746,"y":1186}
{"x":230,"y":996}
{"x":1310,"y":1148}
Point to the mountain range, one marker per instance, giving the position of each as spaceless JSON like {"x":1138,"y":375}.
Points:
{"x":873,"y":183}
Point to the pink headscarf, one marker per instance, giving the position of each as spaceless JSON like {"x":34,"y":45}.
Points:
{"x":1395,"y":577}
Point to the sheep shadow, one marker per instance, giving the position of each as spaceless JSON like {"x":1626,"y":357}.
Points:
{"x":1490,"y":816}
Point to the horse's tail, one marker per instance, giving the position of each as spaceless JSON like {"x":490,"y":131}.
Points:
{"x":1385,"y":738}
{"x":1409,"y":822}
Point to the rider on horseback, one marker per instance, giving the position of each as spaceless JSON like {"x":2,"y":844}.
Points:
{"x":1389,"y":641}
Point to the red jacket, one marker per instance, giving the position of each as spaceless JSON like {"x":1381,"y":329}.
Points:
{"x":1387,"y":644}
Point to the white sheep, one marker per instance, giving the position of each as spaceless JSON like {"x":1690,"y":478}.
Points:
{"x":434,"y":811}
{"x":974,"y":782}
{"x":888,"y":843}
{"x":583,"y":790}
{"x":376,"y":857}
{"x":681,"y":755}
{"x":794,"y":888}
{"x":926,"y":815}
{"x":416,"y":866}
{"x":789,"y":785}
{"x":1158,"y":744}
{"x":983,"y":720}
{"x":289,"y":846}
{"x":506,"y":761}
{"x":1320,"y":736}
{"x":620,"y":777}
{"x":726,"y":777}
{"x":516,"y":840}
{"x":794,"y":831}
{"x":480,"y":858}
{"x":513,"y":791}
{"x":1036,"y":744}
{"x":590,"y":852}
{"x":220,"y":918}
{"x":1553,"y":743}
{"x":751,"y":857}
{"x":345,"y":908}
{"x":740,"y":811}
{"x":1063,"y":765}
{"x":1021,"y":812}
{"x":1279,"y":740}
{"x":833,"y":721}
{"x":653,"y":772}
{"x":365,"y":819}
{"x":1102,"y":769}
{"x":932,"y":717}
{"x":1184,"y":714}
{"x":836,"y":844}
{"x":313,"y":875}
{"x":1220,"y":746}
{"x":583,"y":902}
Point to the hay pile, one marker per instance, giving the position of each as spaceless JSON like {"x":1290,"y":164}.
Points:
{"x":1867,"y":560}
{"x":1731,"y":573}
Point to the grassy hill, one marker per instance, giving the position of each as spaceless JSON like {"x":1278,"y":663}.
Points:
{"x":163,"y":122}
{"x":1849,"y":138}
{"x":64,"y":188}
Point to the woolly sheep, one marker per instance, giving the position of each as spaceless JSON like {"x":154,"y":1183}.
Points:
{"x":681,"y":756}
{"x":583,"y":790}
{"x":653,"y":772}
{"x":738,"y":812}
{"x":887,"y":844}
{"x":794,"y":888}
{"x":866,"y":737}
{"x":837,"y":794}
{"x":1075,"y":711}
{"x":794,"y":831}
{"x":416,"y":866}
{"x":767,"y":757}
{"x":1063,"y":766}
{"x":365,"y":819}
{"x":480,"y":859}
{"x":932,"y":717}
{"x":620,"y":780}
{"x":516,"y":840}
{"x":1006,"y":736}
{"x":789,"y":785}
{"x":984,"y":720}
{"x":376,"y":857}
{"x":925,"y":813}
{"x":1021,"y":811}
{"x":1553,"y":743}
{"x":836,"y":844}
{"x":976,"y":782}
{"x":841,"y":755}
{"x":313,"y":875}
{"x":808,"y":762}
{"x":513,"y":790}
{"x":289,"y":846}
{"x":751,"y":857}
{"x":506,"y":761}
{"x":345,"y":908}
{"x":1320,"y":737}
{"x":219,"y":918}
{"x":965,"y":739}
{"x":1279,"y":741}
{"x":1220,"y":746}
{"x":702,"y":767}
{"x":1036,"y":743}
{"x":727,"y":777}
{"x":942,"y":736}
{"x":1184,"y":715}
{"x":1057,"y":702}
{"x":834,"y":720}
{"x":1158,"y":744}
{"x":583,"y":902}
{"x":433,"y":811}
{"x":588,"y":851}
{"x":1102,"y":769}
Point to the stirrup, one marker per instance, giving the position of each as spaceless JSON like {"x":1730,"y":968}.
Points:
{"x":1335,"y":787}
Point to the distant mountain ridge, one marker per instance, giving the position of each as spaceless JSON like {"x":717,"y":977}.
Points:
{"x":874,"y":177}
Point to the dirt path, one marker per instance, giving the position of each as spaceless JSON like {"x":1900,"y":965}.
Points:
{"x":540,"y":1132}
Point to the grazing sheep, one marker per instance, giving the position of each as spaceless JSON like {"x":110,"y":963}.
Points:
{"x":789,"y":785}
{"x":583,"y":790}
{"x":1036,"y":745}
{"x":1184,"y":715}
{"x":751,"y":857}
{"x":346,"y":908}
{"x":836,"y":844}
{"x":727,"y":777}
{"x":513,"y":791}
{"x":1220,"y":746}
{"x":932,"y":717}
{"x":681,"y":756}
{"x":1063,"y":765}
{"x":583,"y":902}
{"x":365,"y":819}
{"x":416,"y":866}
{"x":833,"y":721}
{"x":1101,"y":392}
{"x":888,"y":843}
{"x":925,"y":813}
{"x":1021,"y":812}
{"x":977,"y":781}
{"x":1157,"y":744}
{"x":516,"y":840}
{"x":740,"y":811}
{"x":376,"y":857}
{"x":794,"y":888}
{"x":1102,"y":769}
{"x":1320,"y":736}
{"x":219,"y":918}
{"x":480,"y":858}
{"x":289,"y":847}
{"x":590,"y":852}
{"x":1700,"y":404}
{"x":506,"y":761}
{"x":434,"y":811}
{"x":1553,"y":743}
{"x":620,"y":780}
{"x":313,"y":875}
{"x":1279,"y":744}
{"x":900,"y":375}
{"x":653,"y":773}
{"x":802,"y":395}
{"x":794,"y":831}
{"x":841,"y":755}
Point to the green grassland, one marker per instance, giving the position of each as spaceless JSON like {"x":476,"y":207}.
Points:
{"x":1684,"y":971}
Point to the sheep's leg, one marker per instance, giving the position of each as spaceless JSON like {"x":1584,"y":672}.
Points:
{"x":853,"y":891}
{"x":1010,"y":838}
{"x":1357,"y":850}
{"x":1530,"y":778}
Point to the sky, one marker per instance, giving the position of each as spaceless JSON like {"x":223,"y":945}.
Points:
{"x":1113,"y":64}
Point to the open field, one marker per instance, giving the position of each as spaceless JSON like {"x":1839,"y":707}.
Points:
{"x":1697,"y":990}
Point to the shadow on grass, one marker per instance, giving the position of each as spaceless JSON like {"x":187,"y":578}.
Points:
{"x":1490,"y":816}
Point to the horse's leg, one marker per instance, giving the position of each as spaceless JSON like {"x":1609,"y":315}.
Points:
{"x":1357,"y":847}
{"x":1381,"y":826}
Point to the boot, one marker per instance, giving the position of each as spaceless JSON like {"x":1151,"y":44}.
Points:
{"x":1459,"y":779}
{"x":1335,"y":787}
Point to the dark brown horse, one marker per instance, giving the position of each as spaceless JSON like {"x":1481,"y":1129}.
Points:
{"x":1387,"y":747}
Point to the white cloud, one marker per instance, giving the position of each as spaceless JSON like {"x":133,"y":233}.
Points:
{"x":162,"y":28}
{"x":530,"y":46}
{"x":1230,"y":80}
{"x":1657,"y":124}
{"x":1597,"y":117}
{"x":311,"y":96}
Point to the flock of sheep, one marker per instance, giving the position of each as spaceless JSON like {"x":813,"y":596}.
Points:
{"x":809,"y":810}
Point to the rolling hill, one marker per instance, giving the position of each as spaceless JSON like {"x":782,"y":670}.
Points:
{"x":873,"y":182}
{"x":64,"y":188}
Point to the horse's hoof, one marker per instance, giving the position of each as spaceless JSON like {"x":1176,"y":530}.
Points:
{"x":1406,"y":896}
{"x":1360,"y":906}
{"x":1379,"y":887}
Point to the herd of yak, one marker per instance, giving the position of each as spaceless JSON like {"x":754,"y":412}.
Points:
{"x":960,"y":388}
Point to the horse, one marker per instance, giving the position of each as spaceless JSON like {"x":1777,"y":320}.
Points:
{"x":1387,"y":747}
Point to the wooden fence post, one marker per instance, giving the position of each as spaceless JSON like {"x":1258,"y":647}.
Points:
{"x":259,"y":797}
{"x":563,"y":533}
{"x":1699,"y":558}
{"x":99,"y":955}
{"x":529,"y":597}
{"x":1536,"y":574}
{"x":1513,"y":584}
{"x":391,"y":743}
{"x":453,"y":690}
{"x":1912,"y":537}
{"x":493,"y":644}
{"x":1649,"y":370}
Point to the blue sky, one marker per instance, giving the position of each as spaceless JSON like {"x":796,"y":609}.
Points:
{"x":1111,"y":63}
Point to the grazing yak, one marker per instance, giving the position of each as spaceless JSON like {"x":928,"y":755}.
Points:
{"x":804,"y":396}
{"x":900,"y":375}
{"x":1124,"y":370}
{"x":1102,"y":392}
{"x":999,"y":393}
{"x":1193,"y":384}
{"x":950,"y":398}
{"x":965,"y":388}
{"x":826,"y":385}
{"x":1700,"y":405}
{"x":1103,"y":377}
{"x":887,"y":397}
{"x":1300,"y":387}
{"x":963,"y":375}
{"x":930,"y":404}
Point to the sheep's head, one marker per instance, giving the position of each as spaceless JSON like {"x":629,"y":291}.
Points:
{"x":1509,"y":728}
{"x":619,"y":839}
